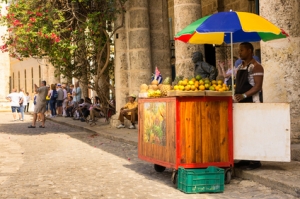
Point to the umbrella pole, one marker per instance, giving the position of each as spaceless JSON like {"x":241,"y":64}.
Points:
{"x":232,"y":66}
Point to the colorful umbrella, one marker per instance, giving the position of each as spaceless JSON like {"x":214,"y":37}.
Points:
{"x":217,"y":28}
{"x":230,"y":27}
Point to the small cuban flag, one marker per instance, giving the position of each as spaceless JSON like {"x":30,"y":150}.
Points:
{"x":157,"y":76}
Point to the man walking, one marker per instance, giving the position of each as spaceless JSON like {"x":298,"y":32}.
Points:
{"x":14,"y":99}
{"x":40,"y":106}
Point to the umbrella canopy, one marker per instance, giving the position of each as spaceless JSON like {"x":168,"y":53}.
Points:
{"x":217,"y":28}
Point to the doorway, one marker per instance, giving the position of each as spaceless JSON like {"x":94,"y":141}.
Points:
{"x":210,"y":54}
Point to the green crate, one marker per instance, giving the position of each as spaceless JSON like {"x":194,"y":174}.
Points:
{"x":210,"y":180}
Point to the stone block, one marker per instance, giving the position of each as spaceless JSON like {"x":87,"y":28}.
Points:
{"x":139,"y":39}
{"x":137,"y":4}
{"x":139,"y":19}
{"x":140,"y":59}
{"x":158,"y":41}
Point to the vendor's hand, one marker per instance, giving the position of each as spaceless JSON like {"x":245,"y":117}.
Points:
{"x":239,"y":97}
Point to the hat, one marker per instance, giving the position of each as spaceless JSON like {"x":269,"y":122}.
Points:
{"x":58,"y":84}
{"x":132,"y":95}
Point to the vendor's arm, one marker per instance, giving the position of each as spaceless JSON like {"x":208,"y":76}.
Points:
{"x":258,"y":76}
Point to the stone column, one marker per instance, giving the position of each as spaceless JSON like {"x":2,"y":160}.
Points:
{"x":280,"y":59}
{"x":185,"y":12}
{"x":4,"y":71}
{"x":160,"y":38}
{"x":121,"y":64}
{"x":139,"y":47}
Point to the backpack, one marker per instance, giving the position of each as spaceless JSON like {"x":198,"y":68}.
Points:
{"x":54,"y":95}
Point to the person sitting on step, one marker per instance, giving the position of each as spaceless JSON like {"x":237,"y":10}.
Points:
{"x":129,"y":111}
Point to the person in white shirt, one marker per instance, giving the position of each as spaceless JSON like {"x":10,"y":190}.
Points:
{"x":28,"y":101}
{"x":23,"y":104}
{"x":14,"y":99}
{"x":65,"y":99}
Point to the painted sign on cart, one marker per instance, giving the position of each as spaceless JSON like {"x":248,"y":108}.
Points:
{"x":155,"y":123}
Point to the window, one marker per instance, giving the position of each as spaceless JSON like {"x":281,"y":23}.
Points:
{"x":10,"y":84}
{"x":25,"y":77}
{"x":19,"y":82}
{"x":40,"y":74}
{"x":32,"y":80}
{"x":13,"y":80}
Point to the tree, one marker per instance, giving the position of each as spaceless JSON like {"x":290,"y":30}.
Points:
{"x":75,"y":35}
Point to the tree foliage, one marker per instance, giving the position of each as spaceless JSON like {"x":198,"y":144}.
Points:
{"x":75,"y":35}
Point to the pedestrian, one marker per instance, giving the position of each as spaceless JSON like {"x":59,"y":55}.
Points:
{"x":227,"y":72}
{"x":23,"y":103}
{"x":53,"y":96}
{"x":59,"y":99}
{"x":28,"y":101}
{"x":47,"y":114}
{"x":14,"y":99}
{"x":40,"y":106}
{"x":76,"y":93}
{"x":249,"y":81}
{"x":65,"y":100}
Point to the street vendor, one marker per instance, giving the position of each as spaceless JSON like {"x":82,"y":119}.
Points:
{"x":249,"y":81}
{"x":130,"y":112}
{"x":202,"y":68}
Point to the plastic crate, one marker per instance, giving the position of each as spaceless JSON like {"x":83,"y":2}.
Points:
{"x":210,"y":180}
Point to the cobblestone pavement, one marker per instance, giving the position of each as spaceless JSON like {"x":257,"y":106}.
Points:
{"x":63,"y":162}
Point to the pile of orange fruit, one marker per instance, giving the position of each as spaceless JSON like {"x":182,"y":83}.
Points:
{"x":199,"y":84}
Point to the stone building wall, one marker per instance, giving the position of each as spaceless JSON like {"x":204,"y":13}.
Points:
{"x":185,"y":12}
{"x":281,"y":59}
{"x":140,"y":46}
{"x":160,"y":37}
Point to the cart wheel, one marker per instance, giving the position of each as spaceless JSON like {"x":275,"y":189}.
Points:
{"x":227,"y":176}
{"x":159,"y":168}
{"x":174,"y":177}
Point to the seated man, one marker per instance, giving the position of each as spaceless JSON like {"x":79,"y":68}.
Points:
{"x":130,"y":112}
{"x":96,"y":112}
{"x":69,"y":106}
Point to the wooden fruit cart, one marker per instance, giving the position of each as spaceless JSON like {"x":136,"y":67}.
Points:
{"x":187,"y":129}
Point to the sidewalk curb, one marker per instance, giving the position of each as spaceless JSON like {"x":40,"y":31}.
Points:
{"x":280,"y":181}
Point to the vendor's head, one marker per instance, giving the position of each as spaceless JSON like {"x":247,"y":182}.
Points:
{"x":197,"y":56}
{"x":131,"y":97}
{"x":246,"y":51}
